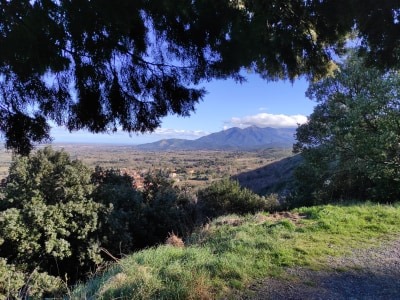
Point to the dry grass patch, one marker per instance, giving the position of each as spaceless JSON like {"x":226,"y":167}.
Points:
{"x":116,"y":281}
{"x":231,"y":221}
{"x":175,"y":241}
{"x":294,"y":217}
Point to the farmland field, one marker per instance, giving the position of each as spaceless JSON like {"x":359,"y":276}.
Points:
{"x":193,"y":168}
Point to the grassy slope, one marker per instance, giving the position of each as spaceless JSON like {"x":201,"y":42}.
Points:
{"x":233,"y":251}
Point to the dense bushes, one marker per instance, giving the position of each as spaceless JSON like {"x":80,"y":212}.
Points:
{"x":47,"y":217}
{"x":56,"y":217}
{"x":166,"y":209}
{"x":133,"y":219}
{"x":121,"y":210}
{"x":227,"y":196}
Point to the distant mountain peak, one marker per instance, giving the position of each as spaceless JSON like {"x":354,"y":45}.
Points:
{"x":234,"y":138}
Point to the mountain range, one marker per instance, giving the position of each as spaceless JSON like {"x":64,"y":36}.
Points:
{"x":250,"y":138}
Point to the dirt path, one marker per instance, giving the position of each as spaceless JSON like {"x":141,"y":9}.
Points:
{"x":366,"y":274}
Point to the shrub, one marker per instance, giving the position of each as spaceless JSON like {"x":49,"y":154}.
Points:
{"x":175,"y":241}
{"x":15,"y":284}
{"x":47,"y":218}
{"x":11,"y":281}
{"x":134,"y":219}
{"x":165,"y":209}
{"x":228,"y":197}
{"x":122,"y":205}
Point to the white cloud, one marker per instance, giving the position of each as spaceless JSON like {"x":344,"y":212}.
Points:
{"x":267,"y":120}
{"x":179,"y":133}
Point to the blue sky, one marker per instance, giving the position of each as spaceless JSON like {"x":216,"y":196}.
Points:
{"x":226,"y":104}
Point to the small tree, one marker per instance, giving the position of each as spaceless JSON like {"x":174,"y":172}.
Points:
{"x":47,"y":218}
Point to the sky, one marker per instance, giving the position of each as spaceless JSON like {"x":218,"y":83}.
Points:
{"x":227,"y":104}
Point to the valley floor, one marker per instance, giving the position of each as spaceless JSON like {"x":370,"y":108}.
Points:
{"x":364,"y":274}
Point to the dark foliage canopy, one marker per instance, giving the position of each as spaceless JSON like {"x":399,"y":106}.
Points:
{"x":123,"y":65}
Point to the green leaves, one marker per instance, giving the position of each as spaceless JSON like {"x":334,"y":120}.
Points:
{"x":228,"y":197}
{"x":351,"y":141}
{"x":48,"y":218}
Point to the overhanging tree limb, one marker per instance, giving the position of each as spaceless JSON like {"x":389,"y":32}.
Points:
{"x":157,"y":51}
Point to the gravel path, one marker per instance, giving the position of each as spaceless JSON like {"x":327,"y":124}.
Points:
{"x":365,"y":274}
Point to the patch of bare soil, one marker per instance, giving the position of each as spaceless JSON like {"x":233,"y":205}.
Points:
{"x":365,"y":274}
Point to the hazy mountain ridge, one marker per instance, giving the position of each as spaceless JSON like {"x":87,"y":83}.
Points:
{"x":230,"y":139}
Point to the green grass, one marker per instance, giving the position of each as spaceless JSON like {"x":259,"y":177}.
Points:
{"x":233,"y":251}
